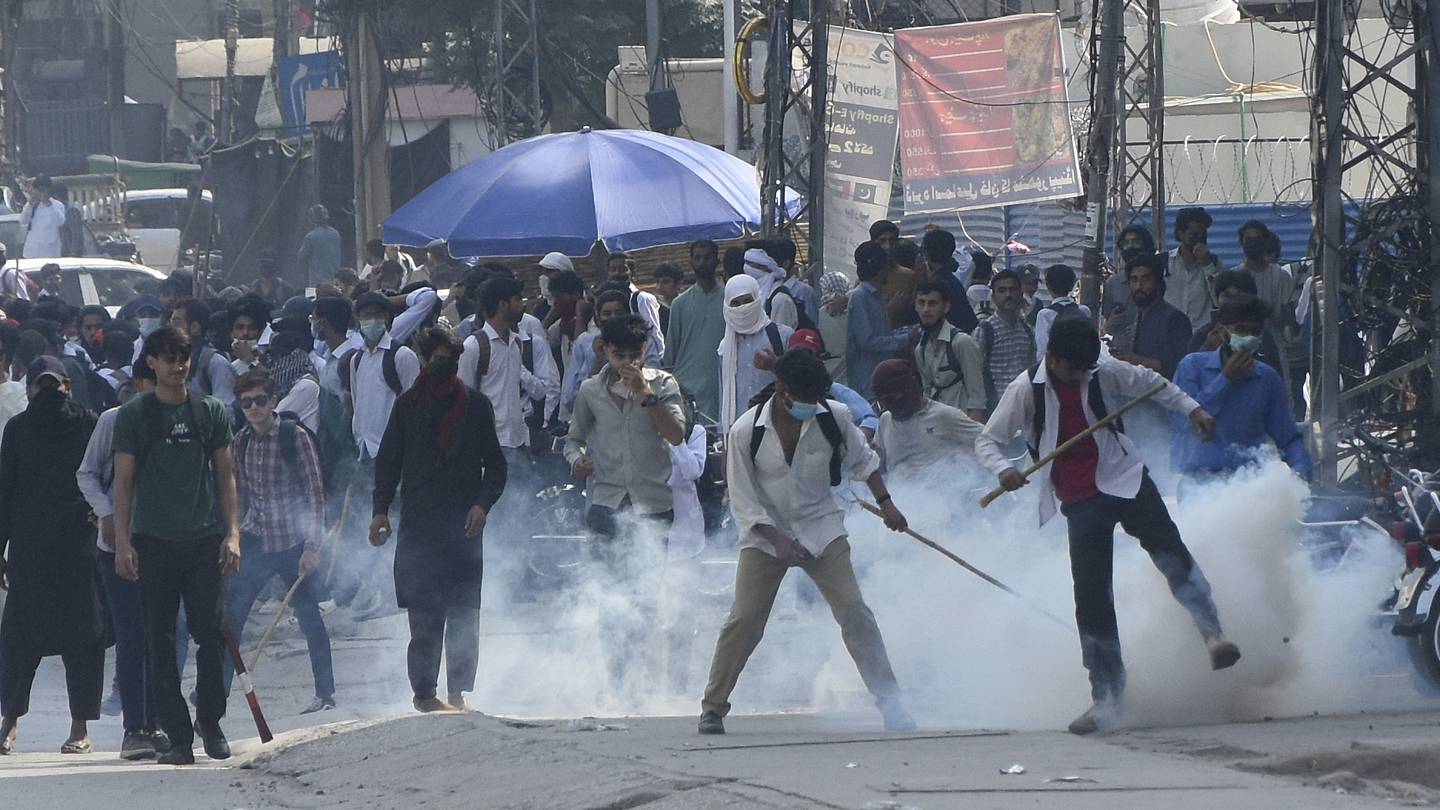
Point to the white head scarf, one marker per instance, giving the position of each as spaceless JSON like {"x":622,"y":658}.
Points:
{"x":762,"y":268}
{"x":746,"y":319}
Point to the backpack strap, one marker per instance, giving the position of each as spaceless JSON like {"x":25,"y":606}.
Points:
{"x":635,"y":303}
{"x":777,"y":344}
{"x":287,"y":446}
{"x":831,"y":429}
{"x":757,"y":434}
{"x":349,"y":361}
{"x":1097,"y":404}
{"x":387,"y":367}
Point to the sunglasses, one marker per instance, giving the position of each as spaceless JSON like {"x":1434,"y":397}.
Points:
{"x":258,"y":401}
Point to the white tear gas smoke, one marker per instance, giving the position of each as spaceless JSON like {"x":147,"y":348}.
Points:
{"x":966,"y":654}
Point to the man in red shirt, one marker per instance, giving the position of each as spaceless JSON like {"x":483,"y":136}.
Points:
{"x":1100,"y":482}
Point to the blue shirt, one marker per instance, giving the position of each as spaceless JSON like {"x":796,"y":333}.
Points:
{"x":860,"y":410}
{"x":869,"y":339}
{"x":1247,"y":414}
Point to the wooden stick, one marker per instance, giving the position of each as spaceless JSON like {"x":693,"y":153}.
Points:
{"x":335,"y":533}
{"x":1074,"y":440}
{"x":280,"y":614}
{"x":875,"y":510}
{"x":246,"y":686}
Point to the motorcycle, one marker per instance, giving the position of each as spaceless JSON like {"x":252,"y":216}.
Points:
{"x":1413,"y":608}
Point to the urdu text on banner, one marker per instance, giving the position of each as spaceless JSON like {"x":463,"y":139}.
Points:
{"x":984,"y":115}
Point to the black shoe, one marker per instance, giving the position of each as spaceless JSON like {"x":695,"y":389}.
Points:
{"x":177,"y":755}
{"x":711,"y":723}
{"x":213,"y":740}
{"x":319,"y":704}
{"x":137,"y":745}
{"x":160,"y":740}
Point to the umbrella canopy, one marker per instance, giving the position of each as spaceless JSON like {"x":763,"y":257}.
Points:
{"x":628,"y":188}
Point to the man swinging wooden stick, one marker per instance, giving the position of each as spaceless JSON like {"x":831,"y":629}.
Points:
{"x":1100,"y":481}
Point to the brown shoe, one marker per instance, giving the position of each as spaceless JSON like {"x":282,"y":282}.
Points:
{"x":432,"y":704}
{"x":457,"y":702}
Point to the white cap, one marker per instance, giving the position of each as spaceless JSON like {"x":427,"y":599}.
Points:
{"x":557,"y":261}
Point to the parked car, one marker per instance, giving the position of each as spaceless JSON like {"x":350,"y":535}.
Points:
{"x":106,"y":282}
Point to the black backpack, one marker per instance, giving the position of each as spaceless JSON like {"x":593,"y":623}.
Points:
{"x":828,"y":426}
{"x":802,"y":317}
{"x":286,"y":425}
{"x":1065,"y":311}
{"x":350,"y":362}
{"x":1097,"y":406}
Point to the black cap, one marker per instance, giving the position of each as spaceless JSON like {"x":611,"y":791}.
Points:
{"x":46,"y":366}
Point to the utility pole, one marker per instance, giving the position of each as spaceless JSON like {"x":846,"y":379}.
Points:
{"x":115,"y":76}
{"x":1327,"y":137}
{"x":1427,"y":78}
{"x":653,"y":47}
{"x":369,"y":146}
{"x":228,"y":87}
{"x":782,"y":172}
{"x":1103,"y":130}
{"x":728,"y":94}
{"x":285,"y":39}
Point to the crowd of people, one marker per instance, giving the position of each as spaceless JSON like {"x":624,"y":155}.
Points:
{"x":200,"y":444}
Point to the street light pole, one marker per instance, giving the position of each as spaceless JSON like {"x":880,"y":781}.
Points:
{"x":1103,"y":129}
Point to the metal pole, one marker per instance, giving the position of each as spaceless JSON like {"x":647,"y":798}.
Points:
{"x":819,"y":111}
{"x":501,"y":135}
{"x":227,"y":93}
{"x":1427,"y":78}
{"x":1157,"y":126}
{"x":728,"y":93}
{"x":652,"y":44}
{"x":1102,"y":143}
{"x":777,"y":85}
{"x":537,"y":115}
{"x":1327,"y":137}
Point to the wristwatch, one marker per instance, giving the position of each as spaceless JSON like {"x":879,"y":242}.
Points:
{"x":649,"y":401}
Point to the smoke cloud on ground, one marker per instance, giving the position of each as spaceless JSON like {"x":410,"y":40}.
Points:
{"x":966,"y":654}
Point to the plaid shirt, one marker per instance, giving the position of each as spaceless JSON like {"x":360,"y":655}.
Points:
{"x":280,"y":510}
{"x":1009,"y":350}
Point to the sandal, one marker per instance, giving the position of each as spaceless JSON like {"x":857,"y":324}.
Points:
{"x":76,"y":747}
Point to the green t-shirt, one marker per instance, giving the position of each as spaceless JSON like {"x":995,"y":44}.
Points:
{"x":174,"y":479}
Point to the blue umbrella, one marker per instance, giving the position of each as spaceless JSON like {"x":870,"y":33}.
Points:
{"x":628,"y":188}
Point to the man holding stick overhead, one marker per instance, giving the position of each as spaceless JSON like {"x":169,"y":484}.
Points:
{"x":1100,"y":481}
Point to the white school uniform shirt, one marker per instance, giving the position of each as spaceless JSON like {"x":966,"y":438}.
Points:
{"x":303,"y":400}
{"x":505,"y":383}
{"x":372,"y":398}
{"x":794,"y":497}
{"x":1120,"y":468}
{"x":687,"y":463}
{"x":649,"y":309}
{"x":44,"y":224}
{"x":545,"y":369}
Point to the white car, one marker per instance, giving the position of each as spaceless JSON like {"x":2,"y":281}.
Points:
{"x":106,"y":282}
{"x":156,"y":218}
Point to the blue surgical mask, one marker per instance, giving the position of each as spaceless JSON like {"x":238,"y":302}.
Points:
{"x":804,"y":411}
{"x":147,"y":325}
{"x":1244,"y":343}
{"x":372,"y":330}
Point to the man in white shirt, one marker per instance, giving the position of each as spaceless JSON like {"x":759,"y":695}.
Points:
{"x":621,"y":270}
{"x":748,"y":332}
{"x":43,"y":218}
{"x":917,"y":434}
{"x":13,"y":283}
{"x":1101,"y":481}
{"x":379,"y":372}
{"x":784,"y":457}
{"x":1060,"y":281}
{"x":491,"y":363}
